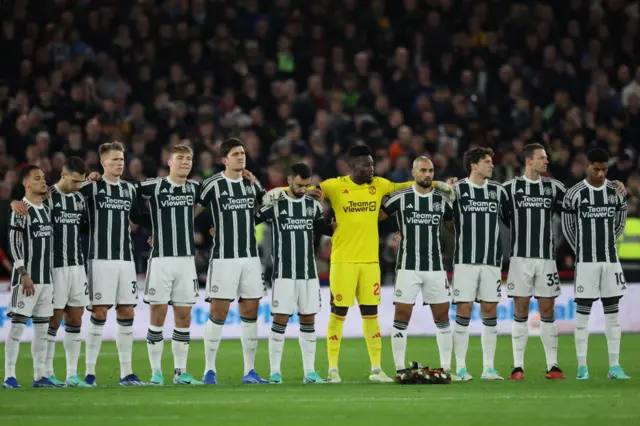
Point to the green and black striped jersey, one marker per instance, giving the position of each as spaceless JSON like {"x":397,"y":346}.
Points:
{"x":532,"y":205}
{"x":67,"y":213}
{"x":110,"y":206}
{"x":592,"y":220}
{"x":293,"y":223}
{"x":171,"y":207}
{"x":232,"y":204}
{"x":478,"y":210}
{"x":31,"y":243}
{"x":419,"y":217}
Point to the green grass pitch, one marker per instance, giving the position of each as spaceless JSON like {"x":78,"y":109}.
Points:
{"x":535,"y":401}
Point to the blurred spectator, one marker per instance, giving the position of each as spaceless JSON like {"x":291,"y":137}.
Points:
{"x":306,"y":80}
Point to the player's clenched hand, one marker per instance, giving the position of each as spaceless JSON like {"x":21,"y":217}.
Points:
{"x":398,"y":236}
{"x":212,"y":231}
{"x":20,"y":208}
{"x":451,"y":180}
{"x":28,"y":289}
{"x":93,"y":177}
{"x":272,"y":196}
{"x":316,"y":194}
{"x":620,"y":189}
{"x":150,"y":240}
{"x":249,"y":176}
{"x":446,"y":188}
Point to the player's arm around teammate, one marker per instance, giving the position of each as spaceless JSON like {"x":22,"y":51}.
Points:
{"x":296,"y":288}
{"x":171,"y":273}
{"x":532,"y":201}
{"x":30,"y":242}
{"x":477,"y":258}
{"x":111,"y":269}
{"x":420,"y":212}
{"x":235,"y":270}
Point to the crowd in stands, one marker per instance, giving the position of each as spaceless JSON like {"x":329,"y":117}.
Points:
{"x":307,"y":79}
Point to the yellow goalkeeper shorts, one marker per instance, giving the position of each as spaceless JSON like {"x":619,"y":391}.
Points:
{"x":351,"y":281}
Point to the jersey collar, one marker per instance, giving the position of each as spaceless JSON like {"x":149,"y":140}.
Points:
{"x":601,"y":188}
{"x":415,"y":191}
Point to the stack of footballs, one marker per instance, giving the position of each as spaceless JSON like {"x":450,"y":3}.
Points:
{"x":416,"y":374}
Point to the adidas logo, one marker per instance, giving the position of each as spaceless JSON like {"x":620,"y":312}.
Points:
{"x":585,"y":201}
{"x":346,"y":191}
{"x":520,"y":191}
{"x":164,"y":191}
{"x":35,"y":221}
{"x":398,"y":336}
{"x":283,"y":212}
{"x":410,"y":206}
{"x":377,"y":336}
{"x":466,"y":194}
{"x":224,"y":193}
{"x":334,"y":337}
{"x":101,"y":191}
{"x":58,"y":205}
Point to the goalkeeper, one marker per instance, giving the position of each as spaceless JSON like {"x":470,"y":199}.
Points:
{"x":355,"y":269}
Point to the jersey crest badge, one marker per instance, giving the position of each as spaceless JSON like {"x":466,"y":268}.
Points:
{"x":372,"y":190}
{"x":309,"y":211}
{"x":125,"y":193}
{"x":493,"y":195}
{"x":612,"y":199}
{"x":547,"y":191}
{"x":436,"y":206}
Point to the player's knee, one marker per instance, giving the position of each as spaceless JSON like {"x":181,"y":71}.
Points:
{"x":307,"y":319}
{"x":440,"y":312}
{"x":19,"y":319}
{"x":546,"y":306}
{"x":99,"y":313}
{"x":403,"y":312}
{"x":464,"y":309}
{"x":73,"y":317}
{"x":489,"y":309}
{"x":368,"y":310}
{"x":282,"y":319}
{"x":340,"y":311}
{"x":521,"y":306}
{"x":609,"y":303}
{"x":585,"y":302}
{"x":125,"y":312}
{"x":249,"y":308}
{"x":55,"y":321}
{"x":181,"y":316}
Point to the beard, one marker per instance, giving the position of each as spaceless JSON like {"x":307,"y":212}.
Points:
{"x":424,"y":183}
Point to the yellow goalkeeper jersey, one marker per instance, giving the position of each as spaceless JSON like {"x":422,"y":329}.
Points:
{"x":357,"y":207}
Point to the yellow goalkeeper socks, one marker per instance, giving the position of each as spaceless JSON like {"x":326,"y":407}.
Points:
{"x":371,"y":329}
{"x":334,"y":338}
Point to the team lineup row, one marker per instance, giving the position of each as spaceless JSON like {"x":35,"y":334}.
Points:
{"x":49,"y":278}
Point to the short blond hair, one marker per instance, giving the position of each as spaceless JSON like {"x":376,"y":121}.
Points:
{"x":110,"y":146}
{"x":181,"y":149}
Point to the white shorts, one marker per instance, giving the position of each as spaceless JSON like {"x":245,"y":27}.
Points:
{"x":171,"y":280}
{"x":40,"y":305}
{"x":112,"y":282}
{"x":533,"y":277}
{"x":229,"y":279}
{"x":289,"y":296}
{"x":601,"y":279}
{"x":70,"y":287}
{"x":433,"y":285}
{"x":480,"y":283}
